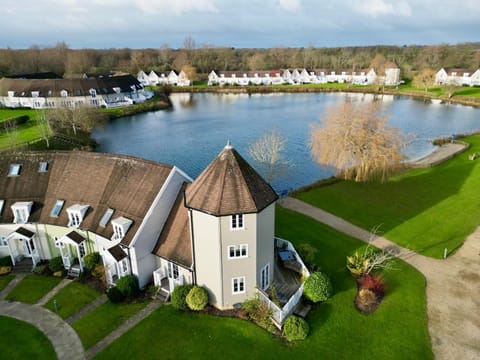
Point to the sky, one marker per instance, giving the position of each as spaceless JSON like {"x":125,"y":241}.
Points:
{"x":237,"y":23}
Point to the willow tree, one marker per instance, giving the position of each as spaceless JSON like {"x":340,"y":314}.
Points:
{"x":356,"y":140}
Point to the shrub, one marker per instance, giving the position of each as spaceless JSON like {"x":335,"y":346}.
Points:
{"x":179,"y":296}
{"x":4,"y":270}
{"x":6,"y":261}
{"x":115,"y":295}
{"x":56,"y":264}
{"x":40,"y":269}
{"x":317,"y":287}
{"x":295,"y":328}
{"x":372,"y":282}
{"x":307,"y":253}
{"x":99,"y":272}
{"x":258,"y":312}
{"x":366,"y":301}
{"x":197,"y":298}
{"x":91,"y":260}
{"x":128,"y":285}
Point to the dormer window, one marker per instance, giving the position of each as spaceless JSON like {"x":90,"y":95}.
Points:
{"x":21,"y":211}
{"x":76,"y":213}
{"x":236,"y":222}
{"x":117,"y":90}
{"x":14,"y":170}
{"x":35,"y":94}
{"x":120,"y":227}
{"x":93,"y":93}
{"x":64,"y":93}
{"x":57,"y":208}
{"x":11,"y":93}
{"x":42,"y":166}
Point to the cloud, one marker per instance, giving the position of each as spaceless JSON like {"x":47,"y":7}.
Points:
{"x":176,"y":7}
{"x":290,"y":5}
{"x":378,"y":8}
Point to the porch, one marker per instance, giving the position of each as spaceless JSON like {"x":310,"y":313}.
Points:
{"x":289,"y":270}
{"x":22,"y":245}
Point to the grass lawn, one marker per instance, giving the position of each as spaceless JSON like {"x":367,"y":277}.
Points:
{"x":6,"y":114}
{"x":4,"y":280}
{"x":425,"y":210}
{"x":32,"y":288}
{"x":72,"y":298}
{"x":101,"y":321}
{"x":21,"y":341}
{"x":397,"y":330}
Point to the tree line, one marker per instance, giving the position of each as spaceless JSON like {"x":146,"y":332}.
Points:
{"x":63,"y":60}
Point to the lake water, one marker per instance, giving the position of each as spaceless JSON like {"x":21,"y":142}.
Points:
{"x":199,"y":126}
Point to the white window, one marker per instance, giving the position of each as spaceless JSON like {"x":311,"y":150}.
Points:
{"x":81,"y":249}
{"x":120,"y":227}
{"x":76,"y":214}
{"x":238,"y":285}
{"x":21,"y":211}
{"x":64,"y":93}
{"x":237,"y":251}
{"x":2,"y":202}
{"x":124,"y":266}
{"x":3,"y":241}
{"x":172,"y":270}
{"x":14,"y":170}
{"x":236,"y":221}
{"x":57,"y":208}
{"x":106,"y":217}
{"x":265,"y":277}
{"x":42,"y":166}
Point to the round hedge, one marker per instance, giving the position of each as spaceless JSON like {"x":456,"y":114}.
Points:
{"x":317,"y":287}
{"x":56,"y":264}
{"x":128,"y":285}
{"x":115,"y":295}
{"x":197,"y":298}
{"x":179,"y":297}
{"x":295,"y":328}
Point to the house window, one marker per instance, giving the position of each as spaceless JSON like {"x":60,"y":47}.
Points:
{"x":3,"y":241}
{"x":76,"y":214}
{"x":238,"y":285}
{"x":21,"y":211}
{"x":120,"y":227}
{"x":42,"y":166}
{"x":237,"y":251}
{"x":172,"y":270}
{"x":265,"y":277}
{"x":118,"y":232}
{"x":124,"y":266}
{"x":106,"y":217}
{"x":81,"y":249}
{"x":237,"y":222}
{"x":74,"y":219}
{"x":64,"y":93}
{"x":14,"y":170}
{"x":57,"y":208}
{"x":59,"y":244}
{"x":2,"y":202}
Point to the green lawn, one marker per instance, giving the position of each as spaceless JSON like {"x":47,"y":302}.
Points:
{"x":6,"y":114}
{"x":72,"y":298}
{"x":101,"y":321}
{"x":4,"y":280}
{"x":20,"y":341}
{"x":397,"y":330}
{"x":32,"y":288}
{"x":426,"y":210}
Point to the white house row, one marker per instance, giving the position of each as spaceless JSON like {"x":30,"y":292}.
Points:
{"x":458,"y":77}
{"x":147,"y":219}
{"x":106,"y":92}
{"x":154,"y":78}
{"x":390,"y":77}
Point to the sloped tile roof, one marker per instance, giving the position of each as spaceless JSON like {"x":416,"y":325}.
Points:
{"x":174,"y":242}
{"x":117,"y":252}
{"x":229,"y":185}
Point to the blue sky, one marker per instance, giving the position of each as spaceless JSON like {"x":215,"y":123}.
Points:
{"x":237,"y":23}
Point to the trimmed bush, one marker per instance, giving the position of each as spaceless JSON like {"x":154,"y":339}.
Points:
{"x":6,"y":261}
{"x":179,"y":296}
{"x":114,"y":295}
{"x":56,"y":264}
{"x":40,"y":269}
{"x":91,"y":260}
{"x":317,"y":287}
{"x":128,"y":285}
{"x":295,"y":328}
{"x":197,"y":298}
{"x":258,"y":312}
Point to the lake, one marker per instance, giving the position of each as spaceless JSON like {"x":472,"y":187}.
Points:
{"x":199,"y":126}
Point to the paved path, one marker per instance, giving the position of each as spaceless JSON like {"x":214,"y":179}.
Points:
{"x":53,"y":292}
{"x":453,"y":286}
{"x":95,"y":303}
{"x":127,"y":325}
{"x":64,"y":339}
{"x":14,"y":282}
{"x":440,"y":154}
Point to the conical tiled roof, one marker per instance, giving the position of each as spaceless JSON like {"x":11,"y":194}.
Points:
{"x":229,"y":185}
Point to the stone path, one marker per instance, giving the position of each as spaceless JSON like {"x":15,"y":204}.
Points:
{"x":53,"y":292}
{"x":11,"y":285}
{"x":127,"y":325}
{"x":453,"y":285}
{"x":95,"y":303}
{"x":441,"y":153}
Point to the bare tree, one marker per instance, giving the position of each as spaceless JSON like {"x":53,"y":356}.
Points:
{"x":82,"y":118}
{"x":267,"y":152}
{"x":43,"y":126}
{"x":190,"y":72}
{"x":356,"y":140}
{"x":425,"y":79}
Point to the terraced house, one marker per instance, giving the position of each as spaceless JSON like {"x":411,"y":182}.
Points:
{"x":150,"y":220}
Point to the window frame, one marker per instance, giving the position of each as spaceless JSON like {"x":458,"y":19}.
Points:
{"x":58,"y":204}
{"x":265,"y":277}
{"x":237,"y":222}
{"x":14,"y":170}
{"x":239,"y":283}
{"x":239,"y":251}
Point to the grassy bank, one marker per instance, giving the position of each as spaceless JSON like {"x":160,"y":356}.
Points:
{"x":426,"y":210}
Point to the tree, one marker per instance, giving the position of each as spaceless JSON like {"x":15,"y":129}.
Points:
{"x":190,"y":72}
{"x":43,"y":126}
{"x":356,"y":140}
{"x":425,"y":79}
{"x":82,"y":118}
{"x":267,"y":152}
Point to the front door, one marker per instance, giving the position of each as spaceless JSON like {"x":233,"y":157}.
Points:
{"x":28,"y":248}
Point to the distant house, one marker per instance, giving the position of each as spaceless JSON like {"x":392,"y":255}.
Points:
{"x":154,"y":78}
{"x":151,"y":220}
{"x":109,"y":91}
{"x":457,"y":77}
